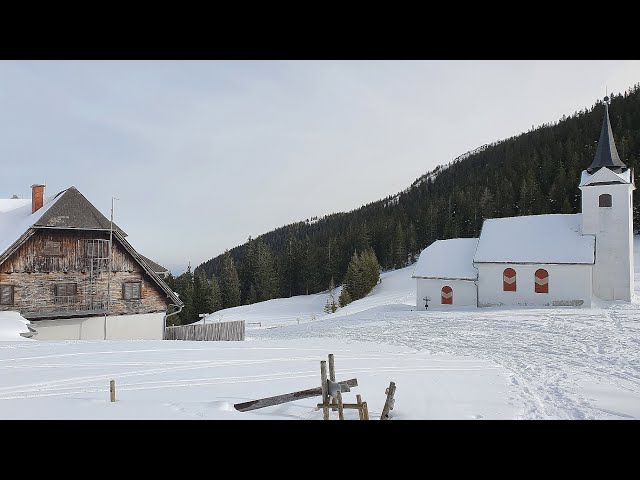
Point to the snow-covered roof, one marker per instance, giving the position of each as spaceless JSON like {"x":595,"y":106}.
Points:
{"x":535,"y":239}
{"x":7,"y":204}
{"x":14,"y":223}
{"x":604,"y":175}
{"x":451,"y":259}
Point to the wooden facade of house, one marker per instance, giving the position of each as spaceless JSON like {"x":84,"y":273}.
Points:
{"x":62,"y":273}
{"x":59,"y":267}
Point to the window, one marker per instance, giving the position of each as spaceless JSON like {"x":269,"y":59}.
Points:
{"x":604,"y":200}
{"x":6,"y":294}
{"x":446,"y":295}
{"x":131,"y":290}
{"x":66,"y":291}
{"x":541,"y":279}
{"x":51,"y":248}
{"x":509,"y":280}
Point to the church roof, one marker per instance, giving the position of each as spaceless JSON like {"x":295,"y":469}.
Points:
{"x":535,"y":239}
{"x":450,"y":259}
{"x":606,"y":154}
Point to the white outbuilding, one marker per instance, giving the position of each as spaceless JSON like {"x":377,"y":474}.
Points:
{"x":554,"y":260}
{"x":445,"y":275}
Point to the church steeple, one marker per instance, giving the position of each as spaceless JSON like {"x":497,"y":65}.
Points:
{"x":606,"y":154}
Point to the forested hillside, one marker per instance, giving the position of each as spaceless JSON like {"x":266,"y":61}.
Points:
{"x":533,"y":173}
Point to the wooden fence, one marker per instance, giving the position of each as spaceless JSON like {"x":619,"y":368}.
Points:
{"x":208,"y":331}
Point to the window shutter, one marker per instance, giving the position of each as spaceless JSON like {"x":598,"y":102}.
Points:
{"x":446,"y":295}
{"x":541,"y":281}
{"x":127,"y":291}
{"x":135,"y":293}
{"x":509,"y":280}
{"x":51,"y":248}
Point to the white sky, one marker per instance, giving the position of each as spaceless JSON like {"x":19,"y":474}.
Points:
{"x":203,"y":154}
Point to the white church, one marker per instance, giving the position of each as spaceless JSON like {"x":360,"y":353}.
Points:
{"x":539,"y":260}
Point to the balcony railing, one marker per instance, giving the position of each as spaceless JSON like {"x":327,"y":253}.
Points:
{"x":66,"y":306}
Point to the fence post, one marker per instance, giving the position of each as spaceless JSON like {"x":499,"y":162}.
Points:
{"x":325,"y":392}
{"x":112,"y":390}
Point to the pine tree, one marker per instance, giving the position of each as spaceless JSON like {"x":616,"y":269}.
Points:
{"x":184,"y":287}
{"x":213,"y":301}
{"x":412,"y":243}
{"x":345,"y":298}
{"x":400,"y":248}
{"x":487,"y":205}
{"x":353,"y":279}
{"x":229,"y":282}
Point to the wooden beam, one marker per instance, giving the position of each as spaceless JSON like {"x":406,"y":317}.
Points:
{"x":389,"y":403}
{"x":287,"y":397}
{"x":332,"y":374}
{"x":361,"y":410}
{"x":352,"y":406}
{"x":325,"y":389}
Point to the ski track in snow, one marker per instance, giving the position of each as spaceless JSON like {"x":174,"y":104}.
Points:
{"x":547,"y":351}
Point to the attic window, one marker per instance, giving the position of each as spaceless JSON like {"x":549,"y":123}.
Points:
{"x":6,"y":294}
{"x":131,"y":290}
{"x":51,"y":248}
{"x":604,"y":200}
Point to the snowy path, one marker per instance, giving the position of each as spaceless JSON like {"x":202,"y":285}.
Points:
{"x":566,"y":363}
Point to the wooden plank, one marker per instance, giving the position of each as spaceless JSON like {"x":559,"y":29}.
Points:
{"x":332,"y":374}
{"x":348,"y":406}
{"x":360,"y":410}
{"x":287,"y":397}
{"x":325,"y":392}
{"x":388,"y":404}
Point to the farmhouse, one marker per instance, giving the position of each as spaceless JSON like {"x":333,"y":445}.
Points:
{"x":54,"y":270}
{"x":555,"y":260}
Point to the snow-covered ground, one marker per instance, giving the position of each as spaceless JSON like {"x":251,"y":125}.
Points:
{"x":194,"y":380}
{"x":550,"y":363}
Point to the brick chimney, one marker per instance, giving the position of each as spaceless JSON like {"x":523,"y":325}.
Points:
{"x":37,"y":197}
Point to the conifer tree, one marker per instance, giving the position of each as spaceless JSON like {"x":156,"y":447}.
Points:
{"x":229,"y":282}
{"x":345,"y":298}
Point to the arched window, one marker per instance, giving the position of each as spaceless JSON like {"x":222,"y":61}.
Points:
{"x":542,"y":281}
{"x":509,"y":280}
{"x":604,"y":200}
{"x":446,"y":295}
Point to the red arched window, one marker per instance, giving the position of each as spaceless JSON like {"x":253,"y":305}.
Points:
{"x":509,"y":280}
{"x":542,"y":281}
{"x":446,"y":295}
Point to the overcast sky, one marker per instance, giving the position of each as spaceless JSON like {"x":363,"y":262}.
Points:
{"x":203,"y":154}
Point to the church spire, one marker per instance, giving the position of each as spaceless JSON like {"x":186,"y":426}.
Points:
{"x":606,"y":154}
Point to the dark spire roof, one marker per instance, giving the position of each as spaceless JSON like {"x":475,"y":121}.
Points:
{"x":606,"y":154}
{"x":73,"y":210}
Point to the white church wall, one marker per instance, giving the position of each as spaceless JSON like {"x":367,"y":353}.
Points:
{"x":613,"y":229}
{"x":464,"y":293}
{"x":568,"y":285}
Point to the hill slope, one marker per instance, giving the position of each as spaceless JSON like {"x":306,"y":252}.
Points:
{"x":533,"y":173}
